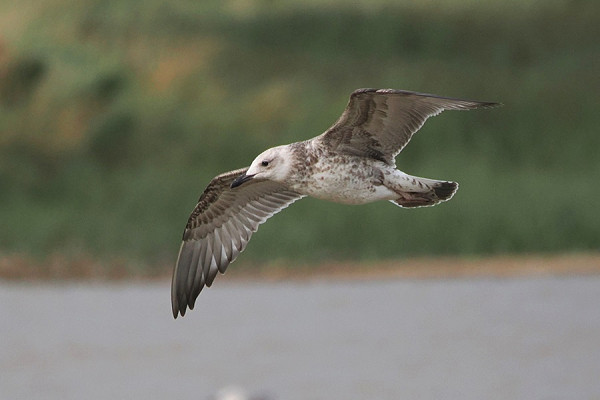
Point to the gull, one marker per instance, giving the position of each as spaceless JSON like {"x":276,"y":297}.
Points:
{"x":353,"y":162}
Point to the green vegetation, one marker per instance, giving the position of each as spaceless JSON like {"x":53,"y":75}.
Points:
{"x":114,"y":115}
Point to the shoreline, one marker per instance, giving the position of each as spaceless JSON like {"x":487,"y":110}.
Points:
{"x":56,"y":268}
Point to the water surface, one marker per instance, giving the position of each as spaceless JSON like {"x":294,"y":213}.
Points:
{"x":533,"y":338}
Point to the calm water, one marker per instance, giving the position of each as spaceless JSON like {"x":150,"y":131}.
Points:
{"x":536,"y":338}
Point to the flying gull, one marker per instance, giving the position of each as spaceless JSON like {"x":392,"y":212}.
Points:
{"x":353,"y":162}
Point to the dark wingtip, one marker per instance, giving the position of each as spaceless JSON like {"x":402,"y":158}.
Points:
{"x":174,"y":304}
{"x":176,"y":312}
{"x":479,"y":104}
{"x":491,"y":105}
{"x":179,"y":308}
{"x":445,"y":190}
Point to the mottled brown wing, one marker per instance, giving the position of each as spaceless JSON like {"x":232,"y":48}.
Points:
{"x":219,"y":229}
{"x":379,"y":123}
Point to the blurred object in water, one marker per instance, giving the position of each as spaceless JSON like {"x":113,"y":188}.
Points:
{"x":237,"y":393}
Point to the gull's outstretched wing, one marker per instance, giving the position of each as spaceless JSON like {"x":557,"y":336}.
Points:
{"x":219,"y":229}
{"x":379,"y":123}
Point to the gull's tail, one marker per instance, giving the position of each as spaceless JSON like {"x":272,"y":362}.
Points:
{"x":422,"y":192}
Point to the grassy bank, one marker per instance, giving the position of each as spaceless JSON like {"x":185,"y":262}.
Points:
{"x":115,"y":115}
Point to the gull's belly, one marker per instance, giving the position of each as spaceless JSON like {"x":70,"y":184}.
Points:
{"x":348,"y":184}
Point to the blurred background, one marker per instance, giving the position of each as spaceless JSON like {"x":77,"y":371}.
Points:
{"x":115,"y":115}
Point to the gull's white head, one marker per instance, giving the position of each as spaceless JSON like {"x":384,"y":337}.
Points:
{"x":273,"y":164}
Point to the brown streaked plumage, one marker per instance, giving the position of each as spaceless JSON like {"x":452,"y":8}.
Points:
{"x":352,"y":163}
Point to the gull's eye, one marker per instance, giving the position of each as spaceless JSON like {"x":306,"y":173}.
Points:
{"x":265,"y":163}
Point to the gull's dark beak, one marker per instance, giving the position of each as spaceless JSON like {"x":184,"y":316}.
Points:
{"x":241,"y":179}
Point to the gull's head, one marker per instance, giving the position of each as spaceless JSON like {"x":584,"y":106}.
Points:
{"x":273,"y":164}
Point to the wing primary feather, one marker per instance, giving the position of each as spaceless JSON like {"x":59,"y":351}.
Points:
{"x":224,"y":261}
{"x":179,"y":294}
{"x":227,"y":238}
{"x":208,"y":258}
{"x":198,"y":284}
{"x":193,"y":266}
{"x":212,"y":272}
{"x":219,"y":251}
{"x":202,"y":258}
{"x":217,"y":245}
{"x":198,"y":277}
